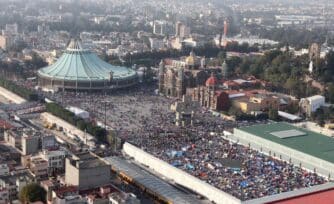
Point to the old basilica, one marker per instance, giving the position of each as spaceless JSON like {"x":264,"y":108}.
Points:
{"x":190,"y":76}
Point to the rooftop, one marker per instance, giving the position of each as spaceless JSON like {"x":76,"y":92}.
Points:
{"x":311,"y":143}
{"x":323,"y":197}
{"x":316,"y":97}
{"x":81,"y":64}
{"x":151,"y":182}
{"x":87,"y":160}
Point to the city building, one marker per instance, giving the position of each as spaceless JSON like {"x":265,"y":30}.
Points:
{"x":30,"y":143}
{"x":48,"y":142}
{"x":81,"y":69}
{"x":49,"y":186}
{"x":56,"y":161}
{"x":120,"y":198}
{"x":4,"y":196}
{"x":11,"y":29}
{"x":178,"y":28}
{"x":9,"y":187}
{"x":22,"y":181}
{"x":156,"y":44}
{"x":181,"y":30}
{"x":184,"y":31}
{"x":225,"y":28}
{"x":176,"y":43}
{"x":39,"y":168}
{"x":5,"y":42}
{"x":257,"y":102}
{"x":314,"y":52}
{"x":250,"y":40}
{"x":4,"y":170}
{"x":13,"y":138}
{"x":159,"y":27}
{"x":311,"y":104}
{"x":67,"y":195}
{"x":86,"y":171}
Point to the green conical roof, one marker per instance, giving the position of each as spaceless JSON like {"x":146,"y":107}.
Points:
{"x":79,"y":64}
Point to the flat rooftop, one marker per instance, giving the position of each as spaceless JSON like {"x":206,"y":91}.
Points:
{"x":87,"y":160}
{"x":300,"y":139}
{"x":151,"y":182}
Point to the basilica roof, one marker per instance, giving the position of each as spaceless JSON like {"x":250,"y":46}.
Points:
{"x":81,"y":64}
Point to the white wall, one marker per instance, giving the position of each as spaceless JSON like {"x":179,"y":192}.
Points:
{"x":11,"y":96}
{"x":179,"y":176}
{"x":67,"y":127}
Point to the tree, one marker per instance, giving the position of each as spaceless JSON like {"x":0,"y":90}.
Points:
{"x":32,"y":193}
{"x":59,"y":111}
{"x":331,"y":93}
{"x":291,"y":85}
{"x":319,"y":116}
{"x":273,"y":114}
{"x":232,"y":63}
{"x":221,"y":56}
{"x":19,"y":90}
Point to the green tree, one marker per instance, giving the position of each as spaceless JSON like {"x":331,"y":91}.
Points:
{"x":32,"y":192}
{"x":291,"y":85}
{"x":221,"y":56}
{"x":273,"y":114}
{"x":331,"y":93}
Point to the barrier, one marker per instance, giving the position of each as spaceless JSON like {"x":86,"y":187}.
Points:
{"x":11,"y":96}
{"x":179,"y":176}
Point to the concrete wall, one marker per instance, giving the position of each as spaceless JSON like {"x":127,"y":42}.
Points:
{"x":71,"y":173}
{"x":30,"y":145}
{"x":94,"y":177}
{"x":309,"y":162}
{"x":68,"y":127}
{"x":87,"y":178}
{"x":179,"y":176}
{"x":11,"y":96}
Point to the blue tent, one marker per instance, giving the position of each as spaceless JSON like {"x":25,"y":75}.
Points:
{"x":244,"y":184}
{"x":190,"y":167}
{"x":176,"y":163}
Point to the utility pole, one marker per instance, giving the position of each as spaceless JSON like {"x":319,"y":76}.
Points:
{"x":105,"y":115}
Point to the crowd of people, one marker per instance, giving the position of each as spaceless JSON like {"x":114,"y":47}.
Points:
{"x":233,"y":168}
{"x":144,"y":118}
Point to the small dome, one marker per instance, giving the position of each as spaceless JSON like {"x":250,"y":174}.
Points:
{"x":211,"y":81}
